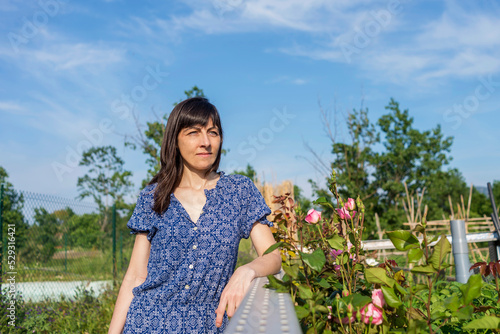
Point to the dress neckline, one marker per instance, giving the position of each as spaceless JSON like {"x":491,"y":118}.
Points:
{"x":207,"y":193}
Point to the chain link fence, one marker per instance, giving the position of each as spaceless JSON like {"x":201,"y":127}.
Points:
{"x":53,"y":246}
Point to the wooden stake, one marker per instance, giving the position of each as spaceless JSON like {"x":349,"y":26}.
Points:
{"x":451,"y":208}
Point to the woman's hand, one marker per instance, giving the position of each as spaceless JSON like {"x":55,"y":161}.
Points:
{"x":234,"y":292}
{"x":238,"y":285}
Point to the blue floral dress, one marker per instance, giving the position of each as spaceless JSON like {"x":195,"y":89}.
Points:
{"x":190,"y":263}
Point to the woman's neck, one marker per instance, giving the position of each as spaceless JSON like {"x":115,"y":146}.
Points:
{"x":197,"y":180}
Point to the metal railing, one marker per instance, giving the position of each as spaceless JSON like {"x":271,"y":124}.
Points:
{"x":472,"y":237}
{"x":264,"y":311}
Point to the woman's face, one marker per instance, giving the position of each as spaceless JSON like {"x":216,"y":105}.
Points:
{"x":199,"y":145}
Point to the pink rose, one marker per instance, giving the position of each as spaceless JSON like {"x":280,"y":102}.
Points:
{"x":351,"y":255}
{"x":378,"y":298}
{"x":313,"y":216}
{"x":345,"y":320}
{"x":345,"y":214}
{"x":335,"y":253}
{"x":370,"y":313}
{"x":350,"y":205}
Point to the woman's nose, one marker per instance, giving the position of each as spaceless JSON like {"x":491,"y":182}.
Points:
{"x":205,"y":141}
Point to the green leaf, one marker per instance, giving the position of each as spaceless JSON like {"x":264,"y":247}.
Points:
{"x":343,"y":258}
{"x":323,"y":201}
{"x":356,"y":300}
{"x":415,"y":254}
{"x":378,"y":276}
{"x":452,"y":302}
{"x":320,"y":200}
{"x":472,"y":289}
{"x":417,"y":327}
{"x":432,"y":239}
{"x":316,"y":260}
{"x":292,"y":271}
{"x":390,"y":297}
{"x":336,"y":242}
{"x":441,"y":249}
{"x":301,"y":312}
{"x":401,"y":290}
{"x":305,"y":292}
{"x":465,"y":313}
{"x":419,"y":228}
{"x":420,"y":287}
{"x":486,"y":322}
{"x":427,"y":269}
{"x":321,"y":309}
{"x":274,"y":246}
{"x":324,"y":284}
{"x":275,"y":283}
{"x":403,"y":240}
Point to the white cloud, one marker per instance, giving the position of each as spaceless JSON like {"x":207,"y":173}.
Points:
{"x":287,"y":79}
{"x":230,"y":16}
{"x":70,"y":56}
{"x":461,"y":42}
{"x":12,"y":107}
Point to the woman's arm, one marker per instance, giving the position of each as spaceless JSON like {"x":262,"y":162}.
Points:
{"x":238,"y":285}
{"x":136,"y":275}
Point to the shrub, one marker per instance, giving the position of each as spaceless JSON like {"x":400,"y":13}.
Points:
{"x":336,"y":291}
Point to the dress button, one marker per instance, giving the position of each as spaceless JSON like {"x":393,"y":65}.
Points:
{"x":194,"y":246}
{"x":187,"y":286}
{"x":195,"y":228}
{"x":191,"y":266}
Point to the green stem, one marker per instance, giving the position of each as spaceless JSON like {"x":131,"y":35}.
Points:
{"x":428,"y":306}
{"x":498,"y":290}
{"x":340,"y":319}
{"x":321,"y":234}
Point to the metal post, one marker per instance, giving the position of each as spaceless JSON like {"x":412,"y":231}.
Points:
{"x":114,"y":243}
{"x":460,"y":250}
{"x":121,"y":251}
{"x":65,"y":252}
{"x":494,"y":218}
{"x":1,"y":236}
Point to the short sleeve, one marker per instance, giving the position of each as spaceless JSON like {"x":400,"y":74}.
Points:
{"x":254,"y":210}
{"x":143,"y":217}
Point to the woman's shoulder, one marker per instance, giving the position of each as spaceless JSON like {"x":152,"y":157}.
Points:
{"x":148,"y":191}
{"x":239,"y":180}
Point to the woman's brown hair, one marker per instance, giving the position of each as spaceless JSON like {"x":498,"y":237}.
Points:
{"x":190,"y":112}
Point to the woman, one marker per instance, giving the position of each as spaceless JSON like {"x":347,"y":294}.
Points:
{"x":188,"y":223}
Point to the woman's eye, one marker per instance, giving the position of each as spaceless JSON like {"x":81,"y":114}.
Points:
{"x":215,"y":133}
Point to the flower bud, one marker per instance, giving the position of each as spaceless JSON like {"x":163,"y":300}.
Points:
{"x":313,"y":216}
{"x":350,"y":205}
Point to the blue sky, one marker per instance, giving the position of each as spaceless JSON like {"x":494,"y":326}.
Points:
{"x":74,"y":73}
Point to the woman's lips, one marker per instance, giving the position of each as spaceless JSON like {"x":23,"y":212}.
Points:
{"x":204,"y":154}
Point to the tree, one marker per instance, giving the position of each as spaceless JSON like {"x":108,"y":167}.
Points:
{"x":83,"y":230}
{"x":105,"y":180}
{"x":416,"y":158}
{"x":249,"y":172}
{"x":303,"y":202}
{"x":354,"y":161}
{"x":12,"y":211}
{"x":47,"y":228}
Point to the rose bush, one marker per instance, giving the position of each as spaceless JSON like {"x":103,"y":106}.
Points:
{"x":336,"y":291}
